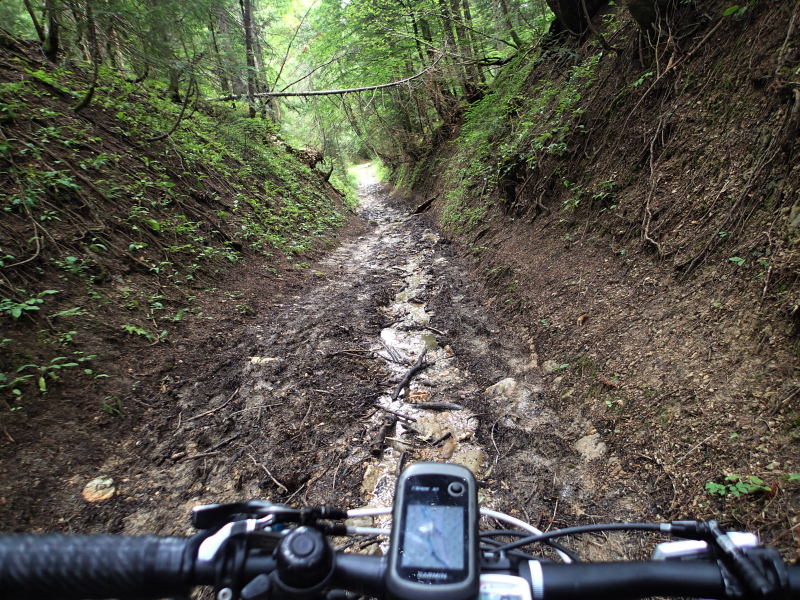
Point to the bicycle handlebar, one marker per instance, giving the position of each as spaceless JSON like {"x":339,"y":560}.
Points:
{"x":74,"y":567}
{"x":43,"y":567}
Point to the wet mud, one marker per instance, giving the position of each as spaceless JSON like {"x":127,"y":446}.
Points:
{"x":388,"y":357}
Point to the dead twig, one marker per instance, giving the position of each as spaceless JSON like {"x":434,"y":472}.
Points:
{"x":441,"y":439}
{"x":203,"y":455}
{"x":266,"y":470}
{"x":397,"y":414}
{"x":213,"y":410}
{"x":418,"y":366}
{"x":438,"y":406}
{"x":434,"y":330}
{"x":225,"y":442}
{"x":8,"y":435}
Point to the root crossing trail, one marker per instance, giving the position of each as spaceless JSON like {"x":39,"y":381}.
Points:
{"x":309,"y":407}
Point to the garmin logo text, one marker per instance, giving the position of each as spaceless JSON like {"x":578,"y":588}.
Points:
{"x":431,"y":575}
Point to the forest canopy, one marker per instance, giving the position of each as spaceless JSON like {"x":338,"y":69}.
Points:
{"x":443,"y":51}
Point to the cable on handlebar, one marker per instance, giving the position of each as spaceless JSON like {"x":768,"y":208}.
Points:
{"x":543,"y":537}
{"x":487,"y":535}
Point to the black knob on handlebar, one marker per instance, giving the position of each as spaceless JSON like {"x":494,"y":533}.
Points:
{"x":305,"y":561}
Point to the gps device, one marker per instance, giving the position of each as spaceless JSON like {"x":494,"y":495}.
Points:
{"x":433,"y":552}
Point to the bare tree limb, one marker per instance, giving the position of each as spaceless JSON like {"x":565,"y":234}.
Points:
{"x":327,"y":92}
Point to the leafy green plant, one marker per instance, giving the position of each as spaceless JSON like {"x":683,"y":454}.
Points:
{"x":736,"y":485}
{"x":67,"y":337}
{"x":641,"y":79}
{"x":136,"y":330}
{"x":16,"y":309}
{"x":41,"y":373}
{"x":113,"y":406}
{"x":96,"y":246}
{"x":738,"y":261}
{"x":734,"y":10}
{"x":73,"y":264}
{"x":70,"y":312}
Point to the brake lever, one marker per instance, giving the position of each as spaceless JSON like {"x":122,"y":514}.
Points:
{"x":215,"y":516}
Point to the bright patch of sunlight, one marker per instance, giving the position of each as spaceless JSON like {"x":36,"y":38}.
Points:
{"x":365,"y":173}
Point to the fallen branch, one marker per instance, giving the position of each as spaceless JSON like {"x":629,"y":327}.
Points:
{"x":424,"y":206}
{"x":418,"y":366}
{"x":326,"y":92}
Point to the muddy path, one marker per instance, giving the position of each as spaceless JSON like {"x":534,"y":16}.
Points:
{"x":301,"y":408}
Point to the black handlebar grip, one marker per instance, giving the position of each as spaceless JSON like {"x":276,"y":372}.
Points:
{"x":78,"y":567}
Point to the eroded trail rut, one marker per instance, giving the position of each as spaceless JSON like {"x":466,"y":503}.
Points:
{"x":295,"y":412}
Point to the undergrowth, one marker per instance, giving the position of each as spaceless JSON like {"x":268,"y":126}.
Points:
{"x":516,"y":126}
{"x":96,"y":201}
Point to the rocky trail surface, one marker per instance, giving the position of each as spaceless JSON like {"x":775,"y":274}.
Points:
{"x":388,"y":357}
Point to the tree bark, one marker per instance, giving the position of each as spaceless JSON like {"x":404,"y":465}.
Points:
{"x":38,"y":26}
{"x":224,"y":84}
{"x":51,"y":44}
{"x":91,"y":29}
{"x":247,"y":21}
{"x":509,"y":25}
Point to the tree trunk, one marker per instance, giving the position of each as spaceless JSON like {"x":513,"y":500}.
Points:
{"x":464,"y":49}
{"x":39,"y":30}
{"x":247,"y":22}
{"x":458,"y":72}
{"x":91,"y":29}
{"x":267,"y":104}
{"x":51,"y":44}
{"x":221,"y":75}
{"x":509,"y":25}
{"x":226,"y":43}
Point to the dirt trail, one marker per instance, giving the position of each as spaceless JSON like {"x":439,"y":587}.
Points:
{"x":290,"y":413}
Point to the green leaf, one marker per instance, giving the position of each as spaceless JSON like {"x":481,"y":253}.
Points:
{"x":794,"y":477}
{"x":716,"y":488}
{"x":730,"y":10}
{"x":42,"y":385}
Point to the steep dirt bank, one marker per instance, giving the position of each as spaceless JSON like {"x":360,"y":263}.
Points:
{"x":112,"y":236}
{"x":128,"y":261}
{"x":634,"y":216}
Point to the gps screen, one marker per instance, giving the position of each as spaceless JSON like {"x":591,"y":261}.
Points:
{"x":434,"y":538}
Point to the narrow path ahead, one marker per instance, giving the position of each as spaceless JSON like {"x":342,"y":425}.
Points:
{"x":302,"y":410}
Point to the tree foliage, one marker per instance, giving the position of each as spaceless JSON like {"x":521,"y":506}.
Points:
{"x":249,"y":49}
